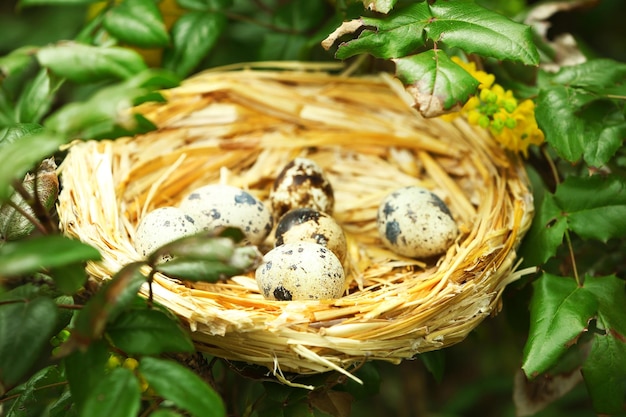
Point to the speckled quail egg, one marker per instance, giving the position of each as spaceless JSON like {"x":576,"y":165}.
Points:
{"x":301,"y":183}
{"x":309,"y":225}
{"x":162,"y":226}
{"x":219,"y":205}
{"x":300,"y":271}
{"x":414,"y":222}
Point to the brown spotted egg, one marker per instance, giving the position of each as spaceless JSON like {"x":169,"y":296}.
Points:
{"x":301,"y":183}
{"x":162,"y":226}
{"x":300,"y":271}
{"x":218,"y":205}
{"x":414,"y":222}
{"x":309,"y":225}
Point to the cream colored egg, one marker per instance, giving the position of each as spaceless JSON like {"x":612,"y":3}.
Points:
{"x":300,"y":271}
{"x":310,"y":225}
{"x":162,"y":226}
{"x":414,"y":222}
{"x":301,"y":183}
{"x":218,"y":205}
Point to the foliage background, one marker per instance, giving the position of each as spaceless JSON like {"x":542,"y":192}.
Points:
{"x":475,"y":377}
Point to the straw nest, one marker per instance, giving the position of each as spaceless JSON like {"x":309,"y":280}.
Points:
{"x":241,"y":127}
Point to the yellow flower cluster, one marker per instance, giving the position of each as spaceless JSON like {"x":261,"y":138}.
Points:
{"x":511,"y":123}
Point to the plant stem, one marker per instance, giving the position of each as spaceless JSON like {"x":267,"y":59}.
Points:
{"x":56,"y":384}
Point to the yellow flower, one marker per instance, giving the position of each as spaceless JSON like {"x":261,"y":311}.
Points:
{"x":511,"y":123}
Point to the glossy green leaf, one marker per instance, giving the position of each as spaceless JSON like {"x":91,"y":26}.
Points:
{"x":545,"y":234}
{"x":299,"y":15}
{"x":437,"y":84}
{"x":165,"y":413}
{"x":381,"y":6}
{"x":605,"y":368}
{"x":37,"y":98}
{"x":36,"y":394}
{"x":198,"y":247}
{"x":600,"y":76}
{"x":560,"y":311}
{"x":594,"y":206}
{"x":16,"y":61}
{"x":577,"y":114}
{"x":435,"y":362}
{"x":279,"y":46}
{"x":25,"y":3}
{"x":461,"y":24}
{"x":29,"y":256}
{"x":116,"y":394}
{"x":25,"y":331}
{"x":205,"y":5}
{"x":116,"y":295}
{"x":69,"y":278}
{"x":148,"y":332}
{"x":108,"y":109}
{"x":370,"y":376}
{"x":181,"y":386}
{"x":85,"y":63}
{"x":64,"y":405}
{"x":137,"y":22}
{"x":94,"y":358}
{"x":193,"y":35}
{"x":197,"y":270}
{"x":21,"y":156}
{"x":16,"y":131}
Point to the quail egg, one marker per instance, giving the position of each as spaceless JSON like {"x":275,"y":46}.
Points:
{"x":300,"y":271}
{"x":162,"y":226}
{"x":414,"y":222}
{"x":309,"y":225}
{"x":218,"y":205}
{"x":301,"y":183}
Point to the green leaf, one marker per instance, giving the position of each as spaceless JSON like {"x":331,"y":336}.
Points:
{"x":63,"y":406}
{"x":605,"y":368}
{"x":594,"y":206}
{"x":181,"y":386}
{"x":435,"y":362}
{"x":16,"y":131}
{"x":25,"y":331}
{"x":36,"y":394}
{"x":576,"y":111}
{"x":109,"y":108}
{"x":193,"y":35}
{"x":560,"y":311}
{"x":20,"y":156}
{"x":16,"y":61}
{"x":37,"y":98}
{"x":600,"y":76}
{"x":24,"y":3}
{"x":461,"y":24}
{"x":29,"y":256}
{"x":436,"y":83}
{"x":545,"y":234}
{"x":93,"y":358}
{"x":69,"y":278}
{"x":605,"y":373}
{"x":84,"y":63}
{"x":198,"y":247}
{"x":298,"y":15}
{"x":116,"y":295}
{"x":137,"y":22}
{"x":117,"y":394}
{"x":205,"y":5}
{"x":381,"y":6}
{"x":197,"y":270}
{"x":148,"y":332}
{"x":280,"y":46}
{"x":165,"y":413}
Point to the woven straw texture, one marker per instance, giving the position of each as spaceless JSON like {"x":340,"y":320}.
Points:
{"x":240,"y":127}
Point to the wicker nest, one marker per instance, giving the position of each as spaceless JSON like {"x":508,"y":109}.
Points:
{"x":241,"y":127}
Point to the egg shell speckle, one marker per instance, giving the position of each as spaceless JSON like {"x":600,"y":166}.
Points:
{"x":300,"y":271}
{"x":414,"y":222}
{"x":301,"y":183}
{"x":162,"y":226}
{"x":218,"y":205}
{"x":309,"y":225}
